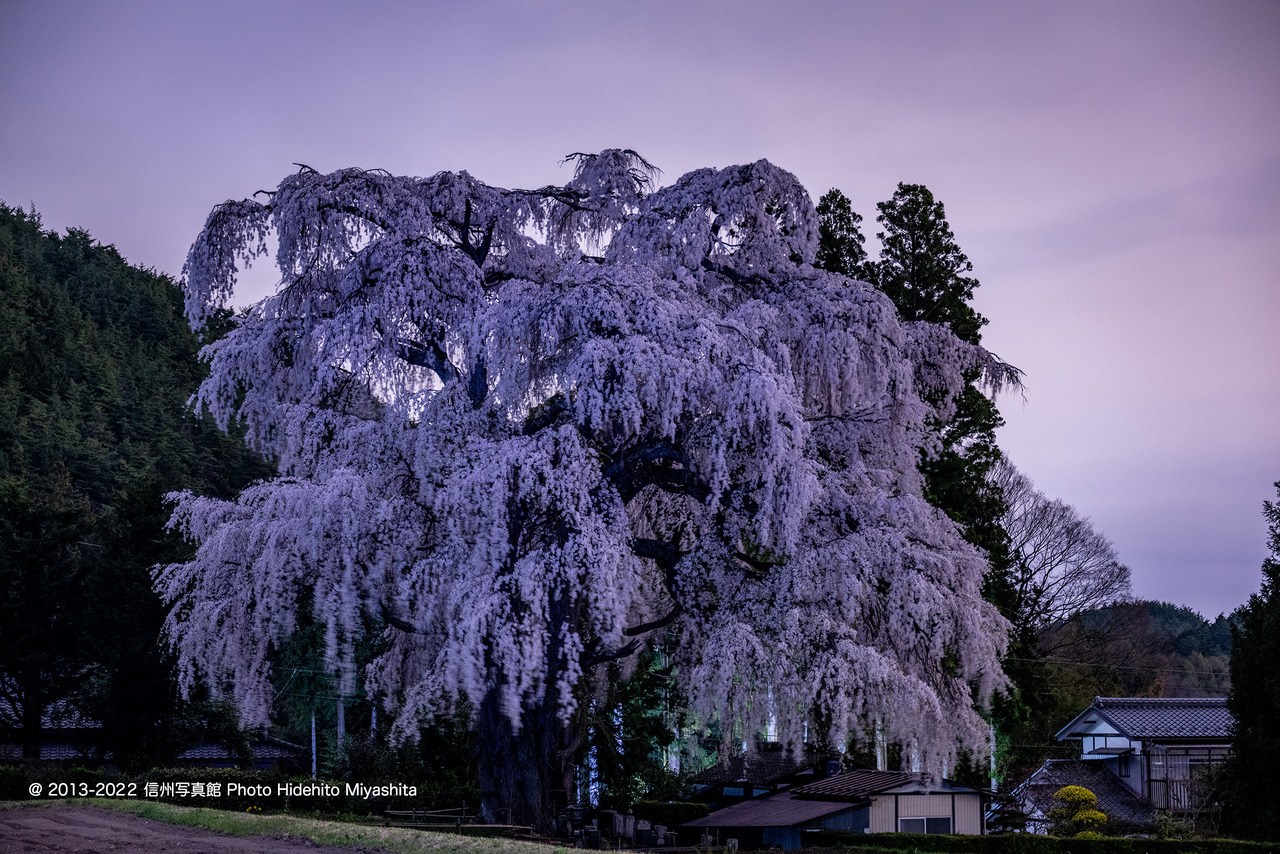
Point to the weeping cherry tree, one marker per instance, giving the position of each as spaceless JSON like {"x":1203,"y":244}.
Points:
{"x":530,"y":432}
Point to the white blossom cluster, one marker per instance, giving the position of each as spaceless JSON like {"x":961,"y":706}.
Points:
{"x":530,"y":431}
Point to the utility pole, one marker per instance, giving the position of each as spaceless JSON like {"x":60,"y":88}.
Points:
{"x":992,"y":724}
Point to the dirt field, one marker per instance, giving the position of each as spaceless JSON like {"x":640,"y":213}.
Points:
{"x":56,"y":829}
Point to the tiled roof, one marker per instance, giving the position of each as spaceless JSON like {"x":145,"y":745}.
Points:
{"x":49,"y":750}
{"x":1123,"y":807}
{"x":855,"y":785}
{"x":270,"y":748}
{"x":207,"y":750}
{"x":57,"y":715}
{"x":1168,"y":717}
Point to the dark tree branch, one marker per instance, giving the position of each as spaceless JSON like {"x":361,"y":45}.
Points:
{"x":475,"y":253}
{"x":564,"y":195}
{"x":636,"y":633}
{"x":395,"y":622}
{"x":664,"y":554}
{"x":429,"y":355}
{"x":546,"y":415}
{"x":756,"y":567}
{"x":732,"y":274}
{"x":478,"y":385}
{"x":659,"y":464}
{"x":653,"y":625}
{"x":602,"y":657}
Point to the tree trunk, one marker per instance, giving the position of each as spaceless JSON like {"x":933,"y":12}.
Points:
{"x":32,"y":721}
{"x":526,"y":777}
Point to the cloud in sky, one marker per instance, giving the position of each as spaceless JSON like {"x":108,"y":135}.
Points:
{"x":1111,"y":169}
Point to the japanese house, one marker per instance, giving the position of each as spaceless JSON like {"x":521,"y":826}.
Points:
{"x":857,"y":801}
{"x":1158,"y":748}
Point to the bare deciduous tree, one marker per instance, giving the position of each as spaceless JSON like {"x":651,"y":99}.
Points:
{"x":1060,"y":564}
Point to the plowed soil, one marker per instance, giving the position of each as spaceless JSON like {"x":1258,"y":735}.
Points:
{"x":55,"y":829}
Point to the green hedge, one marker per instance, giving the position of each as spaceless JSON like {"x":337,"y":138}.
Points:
{"x":13,"y":783}
{"x":1026,"y":843}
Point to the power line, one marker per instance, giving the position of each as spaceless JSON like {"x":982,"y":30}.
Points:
{"x":1102,"y":665}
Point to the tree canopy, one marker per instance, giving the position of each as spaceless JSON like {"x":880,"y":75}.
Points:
{"x":1254,"y":701}
{"x":921,"y":266}
{"x":1060,"y":565}
{"x":840,"y":240}
{"x":533,"y":431}
{"x":96,"y":364}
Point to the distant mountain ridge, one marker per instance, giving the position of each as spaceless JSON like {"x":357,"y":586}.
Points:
{"x":1142,"y":649}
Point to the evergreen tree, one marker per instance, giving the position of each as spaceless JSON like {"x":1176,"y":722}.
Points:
{"x":921,"y":270}
{"x":840,"y":240}
{"x":1254,"y":801}
{"x":921,"y":267}
{"x":43,"y":523}
{"x":96,"y":365}
{"x":630,"y":727}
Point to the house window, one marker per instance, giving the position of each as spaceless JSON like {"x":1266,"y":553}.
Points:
{"x":924,"y":825}
{"x":1124,"y":766}
{"x":937,"y":825}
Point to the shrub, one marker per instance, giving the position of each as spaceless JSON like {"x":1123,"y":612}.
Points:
{"x":13,"y":783}
{"x":1076,"y":813}
{"x":1027,"y":843}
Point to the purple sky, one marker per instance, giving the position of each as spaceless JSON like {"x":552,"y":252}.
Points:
{"x":1111,"y":169}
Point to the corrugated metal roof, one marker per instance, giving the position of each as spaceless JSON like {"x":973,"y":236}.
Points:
{"x":1168,"y":717}
{"x":811,"y":801}
{"x":857,"y":785}
{"x":59,"y":715}
{"x":777,"y":810}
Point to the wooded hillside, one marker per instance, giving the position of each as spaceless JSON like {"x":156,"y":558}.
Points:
{"x":96,"y":365}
